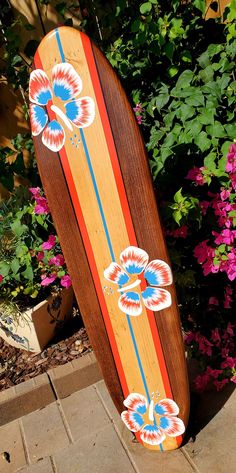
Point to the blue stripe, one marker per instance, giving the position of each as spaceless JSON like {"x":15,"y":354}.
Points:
{"x":138,"y":357}
{"x":97,"y":194}
{"x":107,"y":234}
{"x":60,"y":45}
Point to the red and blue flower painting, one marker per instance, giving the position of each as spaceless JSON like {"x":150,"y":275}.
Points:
{"x":66,"y":86}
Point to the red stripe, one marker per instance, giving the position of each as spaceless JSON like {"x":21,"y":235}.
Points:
{"x":89,"y":251}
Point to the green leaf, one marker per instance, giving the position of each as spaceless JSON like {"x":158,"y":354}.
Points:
{"x":145,"y":8}
{"x":178,"y":197}
{"x":206,"y":117}
{"x":184,"y":79}
{"x":4,"y":268}
{"x":18,"y":228}
{"x":162,"y":100}
{"x":173,"y":70}
{"x":203,"y":141}
{"x":186,"y":112}
{"x":16,"y":61}
{"x":196,"y":99}
{"x":200,"y":5}
{"x":209,"y":161}
{"x":28,"y":273}
{"x":15,"y":265}
{"x":231,"y":131}
{"x":217,"y":130}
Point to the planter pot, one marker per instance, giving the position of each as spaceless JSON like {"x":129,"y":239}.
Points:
{"x":37,"y":326}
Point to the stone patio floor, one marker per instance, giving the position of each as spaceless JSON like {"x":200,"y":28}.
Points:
{"x":64,"y":422}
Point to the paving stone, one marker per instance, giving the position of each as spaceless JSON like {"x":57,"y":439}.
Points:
{"x":72,"y":377}
{"x":42,"y":466}
{"x":27,"y":399}
{"x":84,"y":412}
{"x":24,"y":387}
{"x":214,"y":447}
{"x":7,"y":394}
{"x":100,"y":452}
{"x":145,"y":461}
{"x":44,"y":432}
{"x":11,"y":443}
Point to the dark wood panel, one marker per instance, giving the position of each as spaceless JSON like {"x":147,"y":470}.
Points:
{"x":73,"y":249}
{"x":138,"y":183}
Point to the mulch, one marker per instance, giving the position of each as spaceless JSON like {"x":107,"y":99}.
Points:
{"x":18,"y":365}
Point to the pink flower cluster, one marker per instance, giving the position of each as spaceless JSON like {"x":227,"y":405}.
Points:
{"x":197,"y":175}
{"x":138,"y":109}
{"x":220,"y":346}
{"x":181,"y":232}
{"x":231,"y":165}
{"x":221,"y":256}
{"x":55,"y":261}
{"x":41,"y":206}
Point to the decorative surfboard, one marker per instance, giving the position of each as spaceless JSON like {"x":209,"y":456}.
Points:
{"x":95,"y":173}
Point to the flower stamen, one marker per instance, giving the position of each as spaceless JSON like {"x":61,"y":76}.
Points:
{"x":130,"y":286}
{"x":60,"y":114}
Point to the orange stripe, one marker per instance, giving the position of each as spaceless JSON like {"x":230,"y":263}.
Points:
{"x":89,"y":251}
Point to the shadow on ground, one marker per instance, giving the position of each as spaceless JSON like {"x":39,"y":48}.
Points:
{"x":205,"y":406}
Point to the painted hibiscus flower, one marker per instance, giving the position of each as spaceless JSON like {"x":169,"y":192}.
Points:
{"x":66,"y":85}
{"x":154,"y":421}
{"x":134,"y":261}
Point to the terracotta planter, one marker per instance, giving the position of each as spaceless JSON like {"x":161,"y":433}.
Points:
{"x":37,"y":326}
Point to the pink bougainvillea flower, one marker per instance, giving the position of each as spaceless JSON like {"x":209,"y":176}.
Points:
{"x":49,"y":244}
{"x":213,"y":301}
{"x":226,"y":236}
{"x":66,"y":281}
{"x":134,"y":261}
{"x":181,"y":232}
{"x":35,"y":191}
{"x":66,"y":85}
{"x":213,"y":373}
{"x":215,"y":336}
{"x":46,"y":280}
{"x":1,"y":278}
{"x":229,"y":362}
{"x":57,"y":260}
{"x":228,"y":297}
{"x":233,"y":379}
{"x":201,"y":381}
{"x":231,"y":159}
{"x":40,"y":256}
{"x":41,"y":206}
{"x":204,"y":345}
{"x":220,"y":384}
{"x":154,"y":421}
{"x":196,"y":175}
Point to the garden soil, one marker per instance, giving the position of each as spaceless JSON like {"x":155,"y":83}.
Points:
{"x":17,"y":365}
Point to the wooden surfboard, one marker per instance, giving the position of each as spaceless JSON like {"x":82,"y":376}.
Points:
{"x":95,"y":173}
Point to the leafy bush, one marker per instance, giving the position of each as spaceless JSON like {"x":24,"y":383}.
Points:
{"x":179,"y":72}
{"x":30,"y":256}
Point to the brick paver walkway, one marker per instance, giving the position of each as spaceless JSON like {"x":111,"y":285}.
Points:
{"x":83,"y":433}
